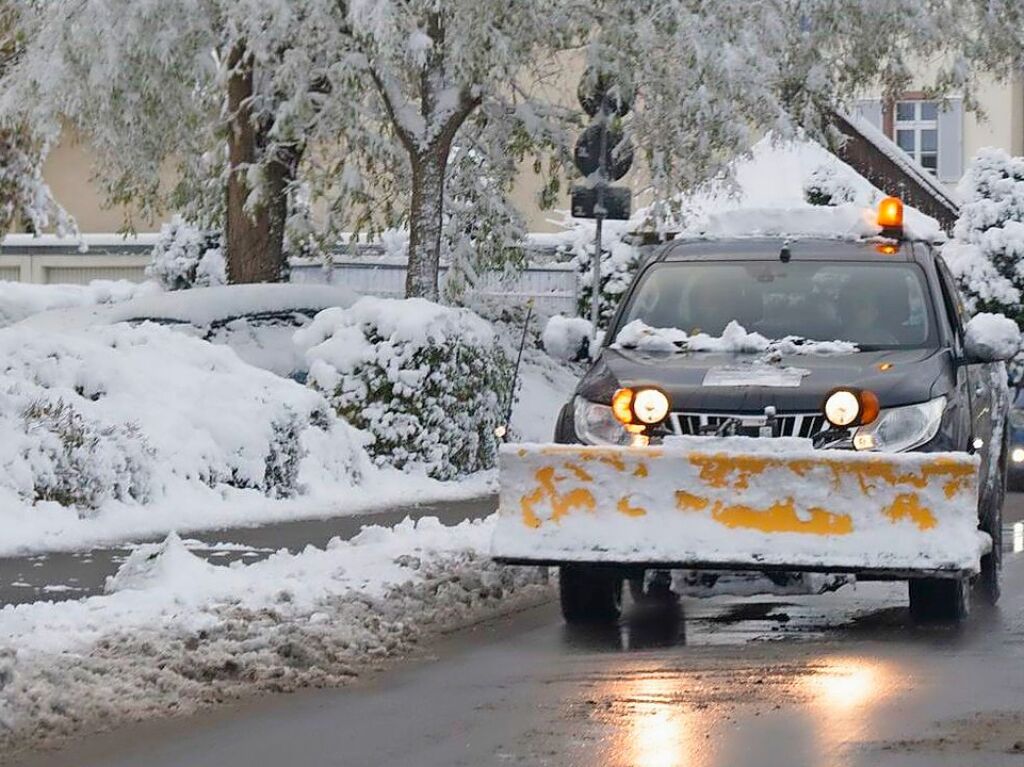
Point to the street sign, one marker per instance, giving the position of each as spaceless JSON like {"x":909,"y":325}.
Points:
{"x":616,"y":202}
{"x":597,"y":91}
{"x":602,"y":155}
{"x":618,"y":152}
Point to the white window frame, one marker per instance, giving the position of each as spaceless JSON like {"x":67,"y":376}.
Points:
{"x":917,"y":125}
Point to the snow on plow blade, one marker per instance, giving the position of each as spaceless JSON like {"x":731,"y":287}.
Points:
{"x":740,"y":504}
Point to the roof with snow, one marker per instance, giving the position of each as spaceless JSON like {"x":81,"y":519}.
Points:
{"x":879,"y":160}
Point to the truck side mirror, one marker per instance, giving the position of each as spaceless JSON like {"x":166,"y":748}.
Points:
{"x":991,"y":338}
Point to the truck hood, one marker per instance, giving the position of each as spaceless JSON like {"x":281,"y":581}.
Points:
{"x":900,"y":377}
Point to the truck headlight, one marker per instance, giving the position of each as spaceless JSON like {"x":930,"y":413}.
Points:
{"x":597,"y":425}
{"x":901,"y":428}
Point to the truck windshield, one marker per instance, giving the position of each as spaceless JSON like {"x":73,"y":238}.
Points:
{"x":874,"y":305}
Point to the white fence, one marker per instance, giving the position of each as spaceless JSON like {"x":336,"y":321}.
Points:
{"x":553,"y":287}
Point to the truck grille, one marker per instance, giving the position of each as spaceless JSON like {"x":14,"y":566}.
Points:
{"x":786,"y":425}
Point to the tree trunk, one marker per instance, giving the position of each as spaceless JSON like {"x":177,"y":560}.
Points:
{"x":428,"y":170}
{"x":254,"y":240}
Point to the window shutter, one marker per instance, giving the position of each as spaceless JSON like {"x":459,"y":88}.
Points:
{"x":870,"y":110}
{"x":951,"y":140}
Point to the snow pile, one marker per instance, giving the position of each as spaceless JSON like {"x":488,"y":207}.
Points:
{"x":175,"y":633}
{"x":994,"y":335}
{"x":19,"y":300}
{"x":734,"y":339}
{"x":135,"y":414}
{"x":429,"y":383}
{"x":567,"y":338}
{"x":186,"y":257}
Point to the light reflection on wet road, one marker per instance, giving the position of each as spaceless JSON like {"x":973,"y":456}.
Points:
{"x":839,"y":680}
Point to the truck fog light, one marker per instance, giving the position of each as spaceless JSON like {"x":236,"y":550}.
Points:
{"x":650,"y":406}
{"x":842,"y":408}
{"x":1017,"y":455}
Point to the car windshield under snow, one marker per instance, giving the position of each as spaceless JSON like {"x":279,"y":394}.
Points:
{"x":868,"y":304}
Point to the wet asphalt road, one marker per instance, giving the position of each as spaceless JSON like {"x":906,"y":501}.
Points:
{"x":834,"y":680}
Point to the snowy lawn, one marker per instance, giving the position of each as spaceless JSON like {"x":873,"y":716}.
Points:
{"x":175,"y":634}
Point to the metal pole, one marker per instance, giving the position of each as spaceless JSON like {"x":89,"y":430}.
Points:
{"x":595,"y":298}
{"x":599,"y":211}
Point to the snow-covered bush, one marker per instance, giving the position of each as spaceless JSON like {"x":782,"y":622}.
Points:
{"x":620,"y":261}
{"x":826,"y":185}
{"x":429,"y":383}
{"x":187,"y":257}
{"x":567,"y":338}
{"x":82,"y":463}
{"x":146,"y":413}
{"x":987,"y":252}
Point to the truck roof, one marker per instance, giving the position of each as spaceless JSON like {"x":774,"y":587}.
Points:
{"x":809,"y":249}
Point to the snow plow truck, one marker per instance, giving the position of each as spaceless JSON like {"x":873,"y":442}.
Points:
{"x":713,"y":432}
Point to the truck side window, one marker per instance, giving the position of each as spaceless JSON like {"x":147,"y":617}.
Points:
{"x":951,"y":297}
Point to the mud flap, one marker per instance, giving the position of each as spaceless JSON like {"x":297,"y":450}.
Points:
{"x":741,"y":504}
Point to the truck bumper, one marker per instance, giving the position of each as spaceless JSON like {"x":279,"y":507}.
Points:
{"x":740,"y":504}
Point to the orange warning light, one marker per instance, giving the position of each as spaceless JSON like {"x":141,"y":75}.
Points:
{"x":890,"y":213}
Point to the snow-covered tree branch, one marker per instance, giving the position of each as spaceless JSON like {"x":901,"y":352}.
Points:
{"x":365,"y":105}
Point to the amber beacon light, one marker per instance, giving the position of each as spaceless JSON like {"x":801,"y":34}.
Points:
{"x":890,"y":215}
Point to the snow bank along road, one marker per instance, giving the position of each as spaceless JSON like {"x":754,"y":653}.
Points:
{"x":73,"y":575}
{"x":846,"y":681}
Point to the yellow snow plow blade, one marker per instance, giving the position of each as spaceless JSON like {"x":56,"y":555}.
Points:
{"x":740,"y":504}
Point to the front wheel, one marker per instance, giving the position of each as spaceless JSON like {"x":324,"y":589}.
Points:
{"x":939,"y":600}
{"x":590,"y":594}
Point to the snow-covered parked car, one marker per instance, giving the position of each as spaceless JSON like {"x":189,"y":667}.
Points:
{"x":257,"y":321}
{"x":712,"y":433}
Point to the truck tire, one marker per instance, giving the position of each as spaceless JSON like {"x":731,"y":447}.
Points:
{"x":590,"y":594}
{"x":939,"y":600}
{"x":990,"y":518}
{"x":658,"y":592}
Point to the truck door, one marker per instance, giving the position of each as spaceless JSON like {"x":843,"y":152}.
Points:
{"x":978,"y":389}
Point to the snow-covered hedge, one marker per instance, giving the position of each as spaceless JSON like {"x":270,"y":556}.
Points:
{"x":829,"y":185}
{"x":187,"y":257}
{"x":619,"y":263}
{"x":135,"y":414}
{"x":429,"y":383}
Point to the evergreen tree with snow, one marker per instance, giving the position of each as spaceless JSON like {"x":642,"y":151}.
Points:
{"x":987,"y":251}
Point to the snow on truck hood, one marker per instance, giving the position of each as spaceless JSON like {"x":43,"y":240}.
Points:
{"x":746,"y":372}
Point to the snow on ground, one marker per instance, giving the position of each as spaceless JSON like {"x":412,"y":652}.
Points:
{"x":175,"y":634}
{"x":545,"y":385}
